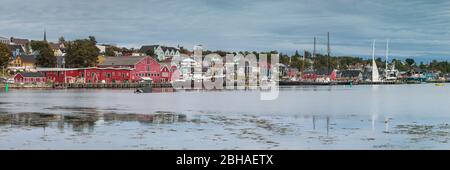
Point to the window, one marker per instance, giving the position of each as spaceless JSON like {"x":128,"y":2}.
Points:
{"x":108,"y":75}
{"x":93,"y":75}
{"x":148,"y":68}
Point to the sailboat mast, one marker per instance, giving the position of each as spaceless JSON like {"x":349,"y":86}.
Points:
{"x":387,"y":52}
{"x":373,"y":51}
{"x":328,"y":51}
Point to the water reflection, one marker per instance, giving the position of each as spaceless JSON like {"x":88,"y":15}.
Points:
{"x":81,"y":121}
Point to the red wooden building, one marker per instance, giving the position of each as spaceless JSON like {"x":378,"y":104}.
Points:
{"x":142,"y":67}
{"x":29,"y":77}
{"x":113,"y":70}
{"x":88,"y":75}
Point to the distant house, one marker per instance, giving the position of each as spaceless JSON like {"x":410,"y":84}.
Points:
{"x":350,"y":75}
{"x":23,"y":62}
{"x":293,"y":72}
{"x":16,"y":50}
{"x":447,"y":76}
{"x":60,"y":62}
{"x":319,"y":75}
{"x":160,"y":52}
{"x":19,"y":41}
{"x":102,"y":48}
{"x":5,"y":40}
{"x":29,"y":77}
{"x":58,"y":49}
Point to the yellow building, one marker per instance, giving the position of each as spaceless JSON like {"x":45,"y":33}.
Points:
{"x":23,"y":62}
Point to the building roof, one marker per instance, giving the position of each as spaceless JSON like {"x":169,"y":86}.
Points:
{"x":122,"y":61}
{"x":19,"y":41}
{"x":145,"y":48}
{"x":14,"y":47}
{"x":55,"y":46}
{"x":28,"y":58}
{"x":31,"y":74}
{"x":351,"y":73}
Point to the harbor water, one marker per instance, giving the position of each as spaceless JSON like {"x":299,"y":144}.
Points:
{"x":409,"y":116}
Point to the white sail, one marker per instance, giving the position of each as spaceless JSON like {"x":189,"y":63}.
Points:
{"x":375,"y":74}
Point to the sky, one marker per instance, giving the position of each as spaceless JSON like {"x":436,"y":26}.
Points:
{"x":415,"y":28}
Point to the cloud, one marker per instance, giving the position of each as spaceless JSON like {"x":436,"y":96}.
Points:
{"x":415,"y":28}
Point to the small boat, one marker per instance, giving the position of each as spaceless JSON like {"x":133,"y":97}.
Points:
{"x":439,"y":84}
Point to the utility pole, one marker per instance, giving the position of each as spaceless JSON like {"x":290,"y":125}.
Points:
{"x":314,"y":50}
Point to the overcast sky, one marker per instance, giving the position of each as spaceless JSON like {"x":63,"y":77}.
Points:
{"x":415,"y":28}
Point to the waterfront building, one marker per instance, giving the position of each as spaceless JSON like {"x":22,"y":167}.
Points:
{"x":350,"y":75}
{"x":29,"y":77}
{"x":88,"y":75}
{"x":142,"y":66}
{"x":292,"y":73}
{"x":319,"y":75}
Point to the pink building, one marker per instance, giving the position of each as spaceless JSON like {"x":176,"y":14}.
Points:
{"x":142,"y":67}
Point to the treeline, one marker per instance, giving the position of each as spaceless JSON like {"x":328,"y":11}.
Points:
{"x":79,"y":53}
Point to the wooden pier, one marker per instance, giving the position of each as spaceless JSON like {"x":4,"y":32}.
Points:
{"x":110,"y":85}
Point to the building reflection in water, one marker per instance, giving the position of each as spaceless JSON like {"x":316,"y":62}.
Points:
{"x":83,"y":121}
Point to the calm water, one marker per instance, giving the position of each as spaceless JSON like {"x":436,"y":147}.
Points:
{"x":323,"y":117}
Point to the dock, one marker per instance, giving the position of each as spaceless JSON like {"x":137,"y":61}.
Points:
{"x":110,"y":85}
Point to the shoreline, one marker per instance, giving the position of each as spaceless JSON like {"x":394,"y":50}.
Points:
{"x":161,"y":86}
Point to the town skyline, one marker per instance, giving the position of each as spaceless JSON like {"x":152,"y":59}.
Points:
{"x":243,"y":25}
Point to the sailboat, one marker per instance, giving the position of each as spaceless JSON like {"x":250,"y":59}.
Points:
{"x":391,"y":74}
{"x":375,"y":74}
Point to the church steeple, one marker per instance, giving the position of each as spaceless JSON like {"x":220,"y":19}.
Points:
{"x":45,"y":35}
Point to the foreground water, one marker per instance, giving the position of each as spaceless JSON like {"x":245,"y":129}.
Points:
{"x":307,"y":117}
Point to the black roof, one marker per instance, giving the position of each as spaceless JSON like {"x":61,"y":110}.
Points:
{"x":324,"y":71}
{"x":350,"y":73}
{"x":28,"y":58}
{"x":14,"y":47}
{"x":31,"y":74}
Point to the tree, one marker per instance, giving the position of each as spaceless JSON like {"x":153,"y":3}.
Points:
{"x":82,"y":53}
{"x":61,"y":40}
{"x":5,"y":55}
{"x":45,"y":57}
{"x":150,"y":52}
{"x":410,"y":61}
{"x":92,"y":39}
{"x":109,"y":51}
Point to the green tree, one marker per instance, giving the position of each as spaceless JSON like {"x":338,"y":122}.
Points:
{"x":45,"y":57}
{"x":5,"y":55}
{"x":109,"y":51}
{"x":92,"y":39}
{"x":82,"y":53}
{"x":410,"y":61}
{"x":61,"y":40}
